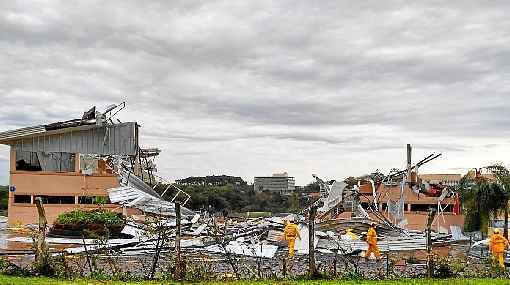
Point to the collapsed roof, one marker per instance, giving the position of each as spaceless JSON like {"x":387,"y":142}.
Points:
{"x":94,"y":133}
{"x":97,"y":134}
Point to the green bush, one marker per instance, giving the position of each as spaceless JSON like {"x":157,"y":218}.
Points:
{"x":97,"y":216}
{"x":4,"y":198}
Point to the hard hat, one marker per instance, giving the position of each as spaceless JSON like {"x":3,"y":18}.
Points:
{"x":372,"y":224}
{"x":348,"y":230}
{"x":496,"y":231}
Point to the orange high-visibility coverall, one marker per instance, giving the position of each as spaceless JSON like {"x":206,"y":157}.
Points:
{"x":372,"y":243}
{"x":291,"y":232}
{"x":498,"y":244}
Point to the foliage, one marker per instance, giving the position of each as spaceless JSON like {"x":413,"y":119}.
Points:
{"x":312,"y":187}
{"x":96,"y":216}
{"x":447,"y":267}
{"x":4,"y":197}
{"x":351,"y":181}
{"x":377,"y":176}
{"x":100,"y":200}
{"x":237,"y":198}
{"x":502,"y":175}
{"x":9,"y":268}
{"x":481,"y":198}
{"x":43,"y":280}
{"x":156,"y":229}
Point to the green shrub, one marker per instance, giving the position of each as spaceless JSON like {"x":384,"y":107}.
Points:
{"x":97,"y":216}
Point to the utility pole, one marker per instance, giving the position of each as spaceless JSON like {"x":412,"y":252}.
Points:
{"x":409,"y":162}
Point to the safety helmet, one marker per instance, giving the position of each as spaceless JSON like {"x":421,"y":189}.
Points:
{"x":496,"y":231}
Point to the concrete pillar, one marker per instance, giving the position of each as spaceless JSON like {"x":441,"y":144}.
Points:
{"x":77,"y":162}
{"x":12,"y":161}
{"x":12,"y":166}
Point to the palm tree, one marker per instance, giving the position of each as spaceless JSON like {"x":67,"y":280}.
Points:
{"x":502,"y":175}
{"x":481,"y":198}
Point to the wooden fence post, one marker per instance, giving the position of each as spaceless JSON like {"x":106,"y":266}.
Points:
{"x":312,"y":269}
{"x":430,"y":260}
{"x":42,"y":227}
{"x":284,"y":266}
{"x":41,"y":251}
{"x":178,"y":259}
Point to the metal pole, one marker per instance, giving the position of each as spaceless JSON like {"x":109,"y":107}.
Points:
{"x":409,"y":162}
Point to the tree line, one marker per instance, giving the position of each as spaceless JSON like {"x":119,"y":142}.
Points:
{"x":233,"y":198}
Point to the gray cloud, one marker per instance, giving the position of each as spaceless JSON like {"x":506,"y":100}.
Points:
{"x":300,"y":80}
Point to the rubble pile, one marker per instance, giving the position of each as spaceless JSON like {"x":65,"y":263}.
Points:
{"x":259,"y":237}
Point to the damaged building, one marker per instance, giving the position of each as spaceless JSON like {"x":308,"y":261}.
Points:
{"x":70,"y":164}
{"x":402,"y":199}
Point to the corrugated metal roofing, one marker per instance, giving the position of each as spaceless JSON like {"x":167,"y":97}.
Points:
{"x":23,"y":132}
{"x":117,"y":139}
{"x":132,"y":197}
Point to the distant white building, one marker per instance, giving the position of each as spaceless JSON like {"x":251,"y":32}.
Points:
{"x":279,"y":182}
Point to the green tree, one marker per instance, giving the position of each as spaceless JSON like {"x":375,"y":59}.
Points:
{"x":4,"y":199}
{"x":481,"y":198}
{"x":502,"y":175}
{"x":312,"y":187}
{"x":235,"y":198}
{"x":351,"y":182}
{"x":294,"y":202}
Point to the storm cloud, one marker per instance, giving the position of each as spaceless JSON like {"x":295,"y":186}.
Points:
{"x":254,"y":87}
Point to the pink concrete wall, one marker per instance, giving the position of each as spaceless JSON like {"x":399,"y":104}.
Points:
{"x":54,"y":184}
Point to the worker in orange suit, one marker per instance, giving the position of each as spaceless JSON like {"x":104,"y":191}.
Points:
{"x":291,"y":232}
{"x":372,"y":243}
{"x":498,"y":244}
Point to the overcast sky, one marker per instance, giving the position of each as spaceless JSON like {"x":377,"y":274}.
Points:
{"x":249,"y":88}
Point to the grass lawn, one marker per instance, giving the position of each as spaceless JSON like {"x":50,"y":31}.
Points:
{"x":42,"y":280}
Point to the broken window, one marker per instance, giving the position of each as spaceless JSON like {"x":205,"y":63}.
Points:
{"x":24,"y":199}
{"x":93,"y":200}
{"x":26,"y":160}
{"x":88,"y":164}
{"x":422,"y":207}
{"x":447,"y":208}
{"x":41,"y":161}
{"x":56,"y":161}
{"x":56,"y":199}
{"x":94,"y":164}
